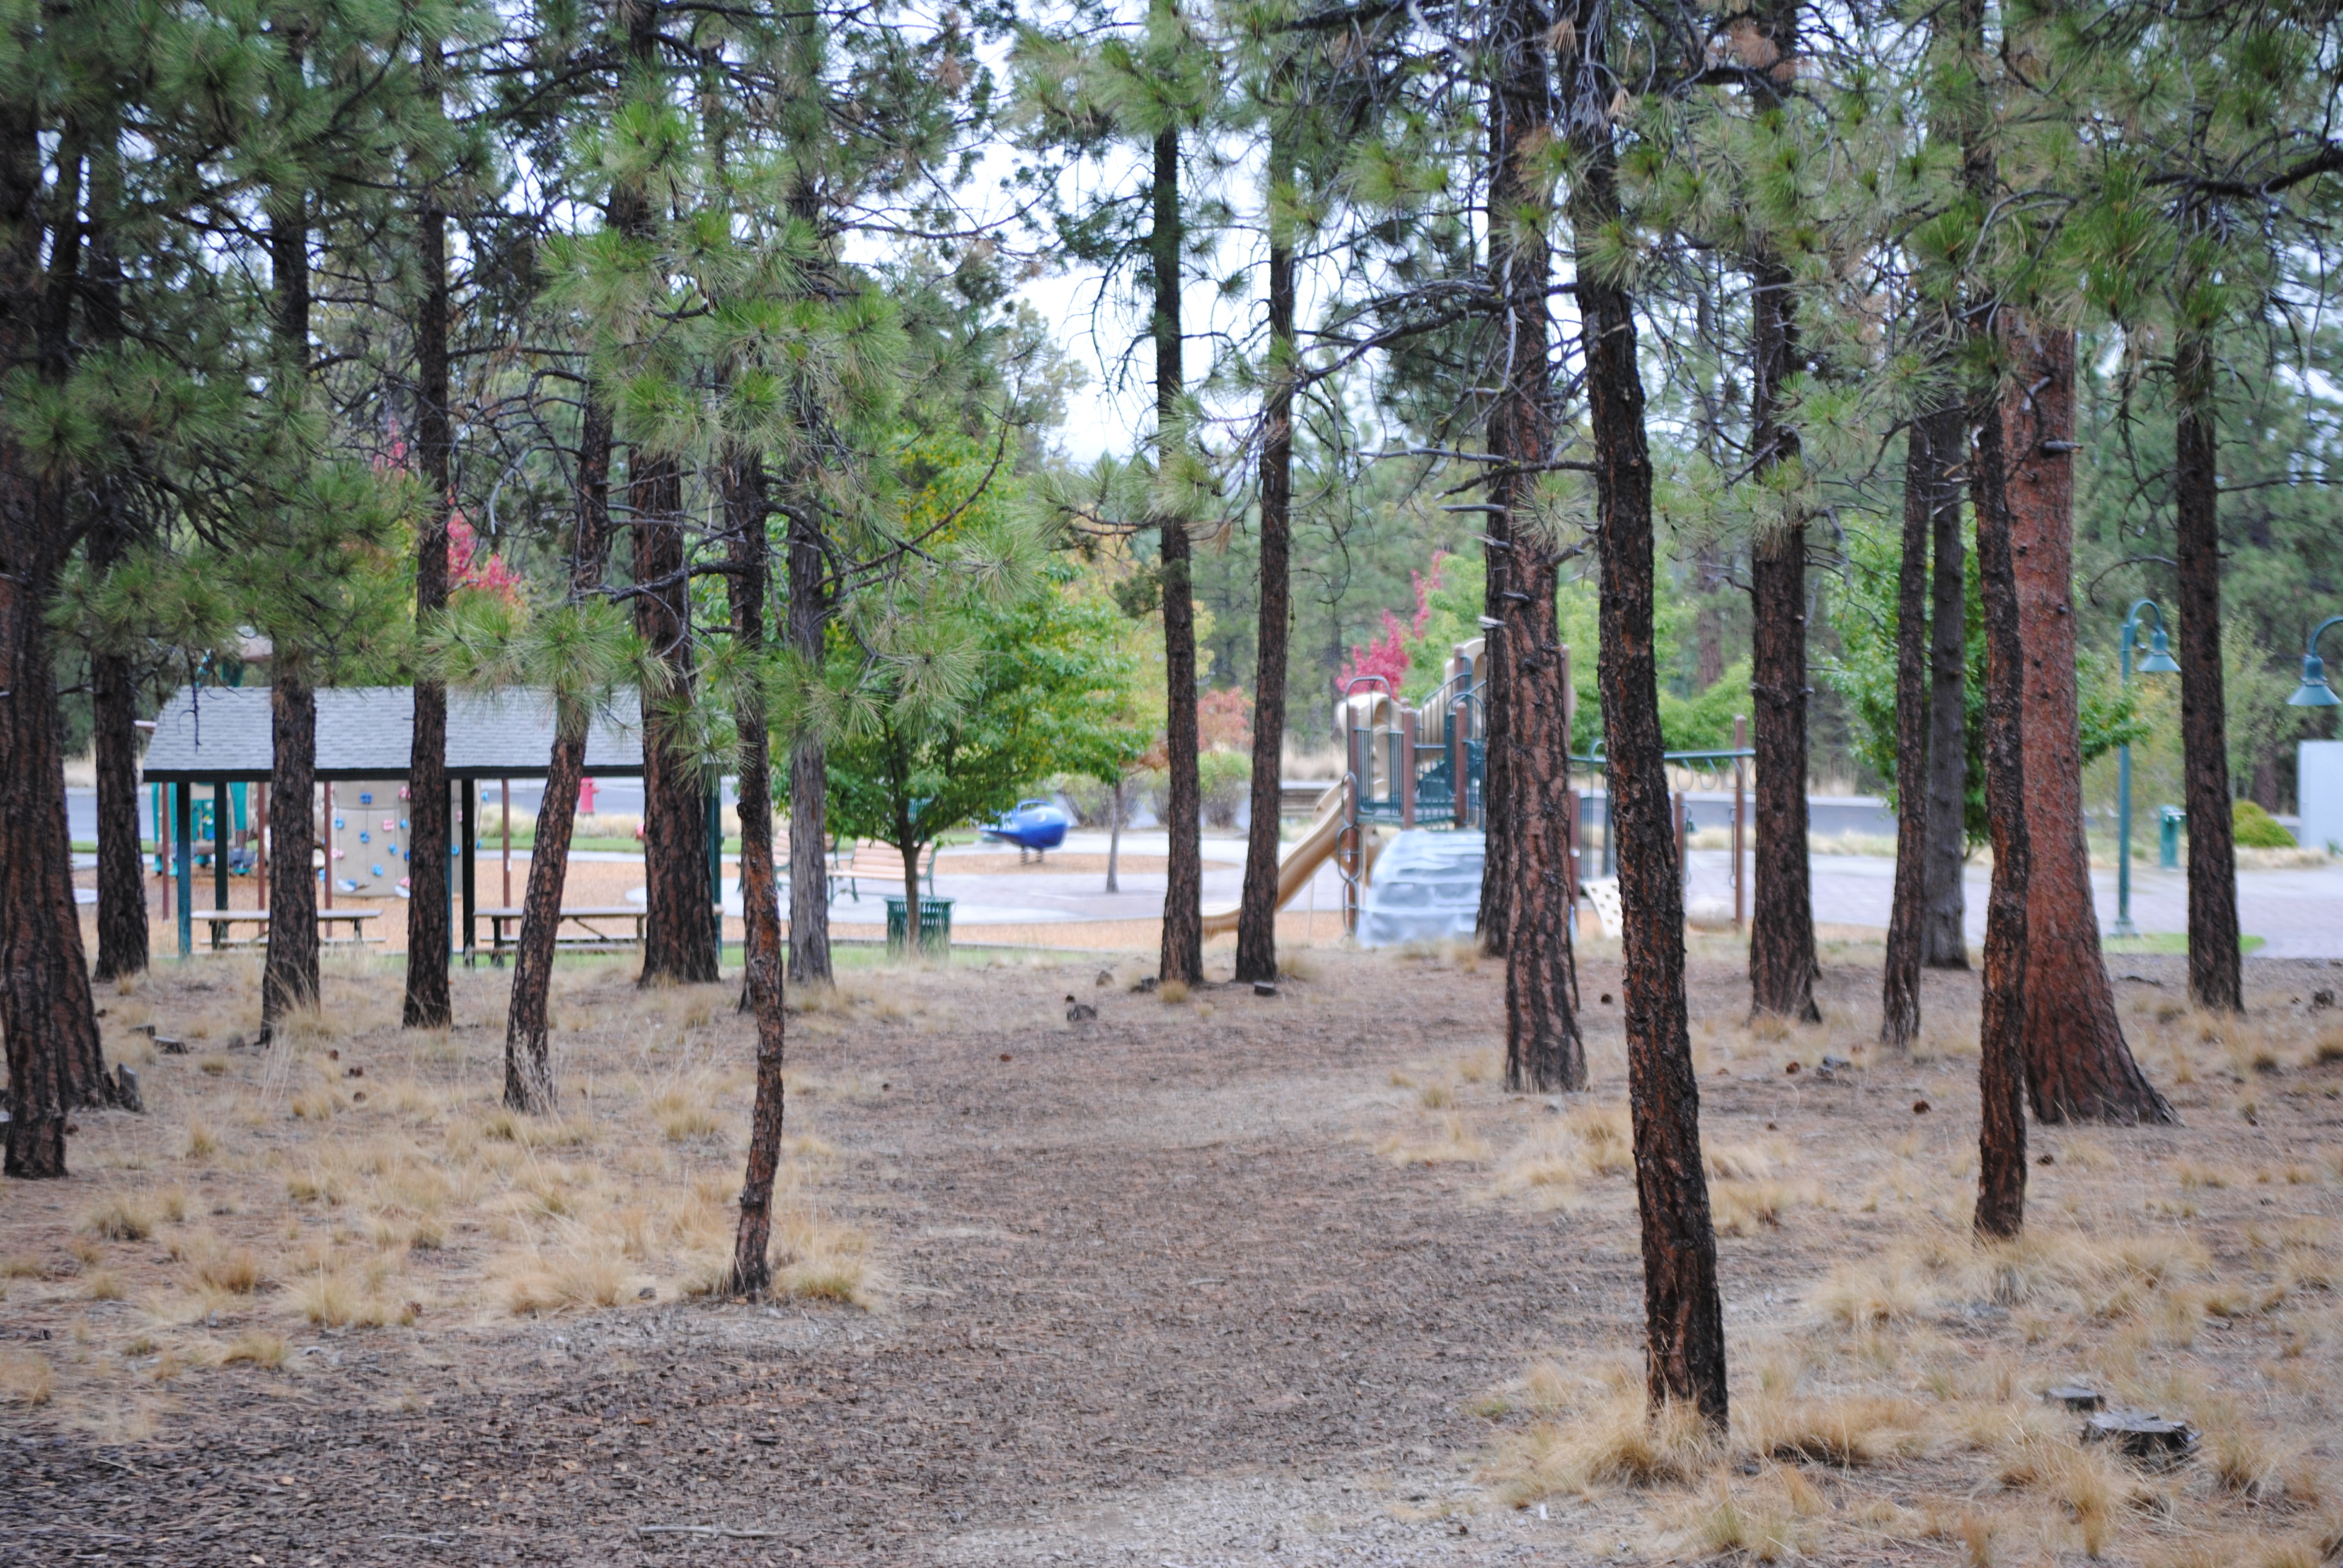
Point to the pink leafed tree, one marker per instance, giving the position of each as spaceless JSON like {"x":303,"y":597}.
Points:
{"x":1390,"y":655}
{"x":469,"y":567}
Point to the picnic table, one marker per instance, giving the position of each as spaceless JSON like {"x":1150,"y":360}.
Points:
{"x":223,"y":921}
{"x":590,"y":918}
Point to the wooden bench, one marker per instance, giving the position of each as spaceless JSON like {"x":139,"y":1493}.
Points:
{"x":883,"y":864}
{"x":223,"y":921}
{"x":585,"y":916}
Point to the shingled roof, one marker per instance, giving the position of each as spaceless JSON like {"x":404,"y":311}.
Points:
{"x":217,"y":732}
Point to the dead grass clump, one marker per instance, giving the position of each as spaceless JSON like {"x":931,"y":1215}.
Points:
{"x":238,"y":1272}
{"x":1766,"y":1522}
{"x":202,"y":1142}
{"x":1739,"y":1162}
{"x":1297,"y":964}
{"x":1744,"y":1208}
{"x":120,"y":1217}
{"x":1860,"y":1295}
{"x":26,"y":1378}
{"x":501,"y":1126}
{"x":682,"y":1113}
{"x":102,"y":1285}
{"x":1846,"y":1431}
{"x":1173,"y":991}
{"x":256,"y":1347}
{"x":1605,"y":1140}
{"x":2083,"y":1481}
{"x":1450,"y":1142}
{"x":567,"y":1282}
{"x":1542,"y":1169}
{"x":1611,"y":1440}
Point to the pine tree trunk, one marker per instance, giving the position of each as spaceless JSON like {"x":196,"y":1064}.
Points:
{"x":1183,"y":893}
{"x":1944,"y":924}
{"x":808,"y":764}
{"x":1683,"y":1315}
{"x":529,"y":1056}
{"x":528,"y":1069}
{"x":762,"y":955}
{"x":289,"y":978}
{"x":1782,"y":963}
{"x":122,"y":935}
{"x":1542,"y":1047}
{"x":1924,"y":466}
{"x":679,"y":934}
{"x":2002,"y":1032}
{"x":426,"y":1004}
{"x":2216,"y":978}
{"x":47,"y":1016}
{"x":2078,"y":1067}
{"x":1257,"y":904}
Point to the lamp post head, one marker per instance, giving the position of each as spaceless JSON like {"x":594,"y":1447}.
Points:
{"x":2314,"y":692}
{"x":2159,"y":660}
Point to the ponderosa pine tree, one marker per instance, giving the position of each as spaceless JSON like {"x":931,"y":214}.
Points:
{"x":47,"y":1012}
{"x":1684,"y":1313}
{"x":1782,"y":962}
{"x":426,"y":1003}
{"x":1543,"y":1051}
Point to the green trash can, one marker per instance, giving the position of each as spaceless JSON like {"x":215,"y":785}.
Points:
{"x":935,"y":924}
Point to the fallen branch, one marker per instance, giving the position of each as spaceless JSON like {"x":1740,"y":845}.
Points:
{"x":725,"y":1530}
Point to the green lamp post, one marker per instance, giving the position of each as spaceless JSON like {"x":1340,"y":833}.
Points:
{"x":2314,"y":692}
{"x":2158,"y":660}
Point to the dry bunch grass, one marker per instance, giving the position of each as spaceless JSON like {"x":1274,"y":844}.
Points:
{"x":357,"y":1177}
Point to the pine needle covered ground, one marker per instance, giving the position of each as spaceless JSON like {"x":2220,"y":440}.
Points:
{"x":1220,"y":1280}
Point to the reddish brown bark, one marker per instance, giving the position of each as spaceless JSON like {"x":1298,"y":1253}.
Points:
{"x":679,"y":934}
{"x":1944,"y":934}
{"x":2002,"y":1032}
{"x":529,"y":1056}
{"x":2078,"y":1067}
{"x":426,"y":1004}
{"x":1184,"y":894}
{"x":1683,"y":1311}
{"x":762,"y":958}
{"x":809,"y":763}
{"x":289,"y":978}
{"x":2216,"y":968}
{"x":1930,"y":448}
{"x":1782,"y":963}
{"x":122,"y":933}
{"x":47,"y":1017}
{"x":528,"y":1066}
{"x":1543,"y":1049}
{"x":1257,"y":904}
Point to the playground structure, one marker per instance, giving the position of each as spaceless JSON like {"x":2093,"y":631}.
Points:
{"x":1421,"y":767}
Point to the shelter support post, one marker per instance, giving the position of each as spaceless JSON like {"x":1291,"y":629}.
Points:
{"x":183,"y":863}
{"x":220,"y":820}
{"x":504,"y":791}
{"x":471,"y":845}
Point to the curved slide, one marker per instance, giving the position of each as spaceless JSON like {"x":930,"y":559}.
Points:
{"x":1301,"y":860}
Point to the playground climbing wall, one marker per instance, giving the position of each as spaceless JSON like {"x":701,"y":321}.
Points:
{"x":367,"y":835}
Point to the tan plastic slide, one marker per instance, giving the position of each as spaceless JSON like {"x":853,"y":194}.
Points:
{"x":1301,"y":860}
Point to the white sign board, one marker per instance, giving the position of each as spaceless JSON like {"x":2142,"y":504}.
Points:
{"x":2319,"y":786}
